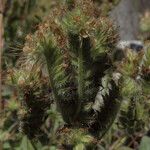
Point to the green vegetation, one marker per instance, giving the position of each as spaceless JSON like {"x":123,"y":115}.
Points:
{"x":66,"y":89}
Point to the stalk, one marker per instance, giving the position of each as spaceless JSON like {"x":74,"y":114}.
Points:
{"x":80,"y":80}
{"x":1,"y":46}
{"x":54,"y":91}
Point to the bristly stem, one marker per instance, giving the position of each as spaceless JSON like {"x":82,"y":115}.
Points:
{"x":80,"y":78}
{"x":51,"y":81}
{"x":49,"y":65}
{"x":80,"y":71}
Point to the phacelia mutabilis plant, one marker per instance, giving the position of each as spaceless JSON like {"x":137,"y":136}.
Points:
{"x":74,"y":51}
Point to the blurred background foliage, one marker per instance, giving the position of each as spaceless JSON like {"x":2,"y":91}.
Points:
{"x":131,"y":130}
{"x":20,"y":18}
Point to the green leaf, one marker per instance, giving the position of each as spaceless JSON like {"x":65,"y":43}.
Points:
{"x":6,"y":145}
{"x":79,"y":147}
{"x":53,"y":148}
{"x":145,"y":143}
{"x":100,"y":147}
{"x":87,"y":139}
{"x":124,"y":148}
{"x":26,"y":144}
{"x":13,"y":105}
